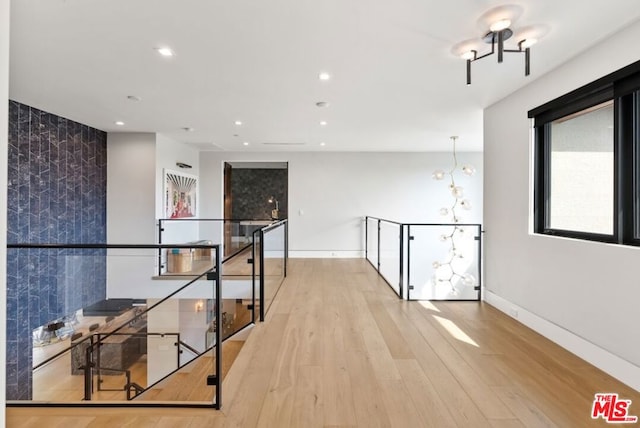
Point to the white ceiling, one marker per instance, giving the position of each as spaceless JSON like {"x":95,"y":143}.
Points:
{"x":396,"y":85}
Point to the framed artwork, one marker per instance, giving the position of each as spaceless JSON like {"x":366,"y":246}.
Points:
{"x":180,"y":194}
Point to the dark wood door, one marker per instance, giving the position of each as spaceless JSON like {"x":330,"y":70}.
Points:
{"x":228,"y":210}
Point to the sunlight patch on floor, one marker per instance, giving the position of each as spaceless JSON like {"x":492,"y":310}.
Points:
{"x":455,"y":331}
{"x":428,"y":305}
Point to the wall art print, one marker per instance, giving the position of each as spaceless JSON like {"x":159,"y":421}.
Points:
{"x":180,"y":194}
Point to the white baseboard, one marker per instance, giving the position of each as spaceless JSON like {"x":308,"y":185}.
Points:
{"x":615,"y":366}
{"x":321,"y":254}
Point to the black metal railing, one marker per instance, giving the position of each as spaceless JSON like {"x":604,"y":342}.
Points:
{"x":267,"y":270}
{"x":91,"y":359}
{"x":426,"y":261}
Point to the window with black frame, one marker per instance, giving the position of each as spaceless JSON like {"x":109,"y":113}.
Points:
{"x":587,"y":161}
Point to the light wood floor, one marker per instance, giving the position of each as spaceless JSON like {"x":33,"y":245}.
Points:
{"x":339,"y":349}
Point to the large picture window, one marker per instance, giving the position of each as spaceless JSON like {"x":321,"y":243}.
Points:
{"x":587,"y":162}
{"x":581,"y":171}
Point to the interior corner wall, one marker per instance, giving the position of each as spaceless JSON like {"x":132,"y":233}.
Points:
{"x":4,"y":134}
{"x":584,"y":294}
{"x":131,"y":199}
{"x":331,"y":192}
{"x":131,"y":188}
{"x":134,"y":183}
{"x":134,"y":203}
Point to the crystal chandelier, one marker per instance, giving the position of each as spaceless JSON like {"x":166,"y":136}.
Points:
{"x":447,"y":271}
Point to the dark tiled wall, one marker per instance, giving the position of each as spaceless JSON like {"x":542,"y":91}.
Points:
{"x":251,"y":189}
{"x":56,"y":194}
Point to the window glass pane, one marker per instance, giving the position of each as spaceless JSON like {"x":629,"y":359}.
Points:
{"x":581,"y":171}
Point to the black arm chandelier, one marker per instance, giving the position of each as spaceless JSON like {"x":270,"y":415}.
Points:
{"x":499,"y":20}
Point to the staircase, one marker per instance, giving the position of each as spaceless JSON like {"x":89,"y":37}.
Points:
{"x":189,"y":383}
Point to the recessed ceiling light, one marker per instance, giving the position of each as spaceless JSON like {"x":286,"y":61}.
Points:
{"x":238,"y":122}
{"x":323,"y":143}
{"x":324,"y":76}
{"x":246,"y":143}
{"x":134,"y":98}
{"x":119,"y":123}
{"x":165,"y":51}
{"x":323,"y":123}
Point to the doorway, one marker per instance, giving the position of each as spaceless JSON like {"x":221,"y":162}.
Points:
{"x":255,"y":194}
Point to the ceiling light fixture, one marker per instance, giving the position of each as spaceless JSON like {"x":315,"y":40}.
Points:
{"x":323,"y":123}
{"x":237,"y":122}
{"x":246,"y":143}
{"x":167,"y":52}
{"x":500,"y":31}
{"x":119,"y":123}
{"x":324,"y":76}
{"x":323,"y":144}
{"x":500,"y":25}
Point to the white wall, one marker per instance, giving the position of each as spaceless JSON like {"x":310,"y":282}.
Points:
{"x":4,"y":148}
{"x":135,"y":163}
{"x":168,"y":153}
{"x":131,"y":196}
{"x":582,"y":294}
{"x":131,"y":188}
{"x":330,"y":193}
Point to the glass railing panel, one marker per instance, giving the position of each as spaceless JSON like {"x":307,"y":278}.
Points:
{"x":390,"y":254}
{"x":238,"y":295}
{"x":185,"y":320}
{"x":372,"y":240}
{"x":235,"y":237}
{"x":182,"y":231}
{"x":273,"y":259}
{"x":45,"y":287}
{"x":56,"y":381}
{"x":125,"y":344}
{"x":444,"y":262}
{"x":242,"y":233}
{"x":237,"y":313}
{"x":238,"y":264}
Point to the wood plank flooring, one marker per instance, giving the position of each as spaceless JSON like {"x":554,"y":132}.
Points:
{"x":339,"y":349}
